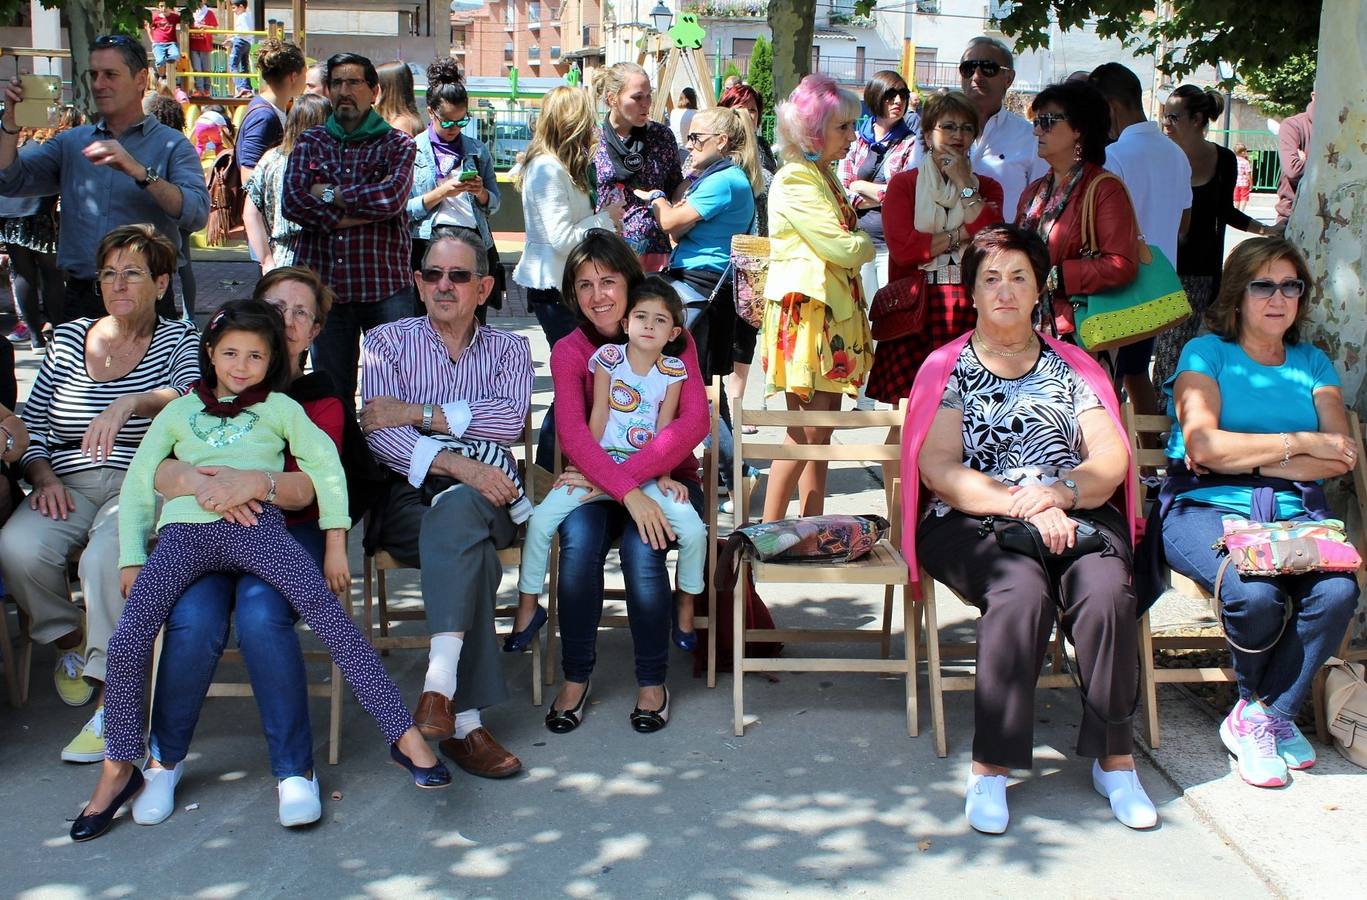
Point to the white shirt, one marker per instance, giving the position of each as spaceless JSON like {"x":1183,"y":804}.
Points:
{"x":634,"y":400}
{"x":1158,"y":177}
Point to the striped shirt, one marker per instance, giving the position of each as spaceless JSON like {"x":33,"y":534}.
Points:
{"x":65,"y":398}
{"x":485,"y":394}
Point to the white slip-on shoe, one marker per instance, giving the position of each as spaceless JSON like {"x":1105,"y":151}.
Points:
{"x":158,"y":798}
{"x":1130,"y":804}
{"x":985,"y":803}
{"x":299,"y":803}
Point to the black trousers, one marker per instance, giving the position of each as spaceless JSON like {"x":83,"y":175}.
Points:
{"x":1016,"y":596}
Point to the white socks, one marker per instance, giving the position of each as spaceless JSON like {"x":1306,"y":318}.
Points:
{"x":442,"y":662}
{"x":467,"y":722}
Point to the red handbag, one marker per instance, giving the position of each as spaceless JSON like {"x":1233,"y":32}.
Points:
{"x":899,"y":308}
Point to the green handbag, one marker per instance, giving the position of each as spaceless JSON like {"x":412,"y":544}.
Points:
{"x":1150,"y":304}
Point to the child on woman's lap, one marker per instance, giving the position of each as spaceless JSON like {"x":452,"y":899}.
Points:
{"x":236,"y":416}
{"x":636,"y":390}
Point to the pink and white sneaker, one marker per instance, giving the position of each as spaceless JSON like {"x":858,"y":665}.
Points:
{"x":1249,"y":734}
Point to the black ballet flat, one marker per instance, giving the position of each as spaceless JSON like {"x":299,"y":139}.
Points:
{"x":649,"y":721}
{"x":563,"y":721}
{"x":89,"y":826}
{"x":431,"y":777}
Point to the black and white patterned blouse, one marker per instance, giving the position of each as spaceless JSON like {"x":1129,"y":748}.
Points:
{"x":1019,"y":430}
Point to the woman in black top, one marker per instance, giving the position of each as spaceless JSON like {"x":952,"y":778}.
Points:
{"x":1201,"y":251}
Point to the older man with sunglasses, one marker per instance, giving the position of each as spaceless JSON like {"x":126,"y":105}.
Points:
{"x":125,"y":169}
{"x":1006,"y":149}
{"x":444,"y":398}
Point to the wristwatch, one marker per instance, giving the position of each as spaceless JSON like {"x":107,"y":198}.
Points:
{"x":149,"y":179}
{"x":1071,"y":485}
{"x":968,"y":193}
{"x":329,"y":194}
{"x":656,"y":195}
{"x":428,"y":411}
{"x":9,"y":439}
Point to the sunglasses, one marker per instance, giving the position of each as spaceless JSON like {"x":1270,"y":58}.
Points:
{"x":697,"y":137}
{"x":989,"y":67}
{"x":1046,"y":121}
{"x":115,"y":40}
{"x":896,"y":93}
{"x":1291,"y":289}
{"x":455,"y":276}
{"x":453,"y":123}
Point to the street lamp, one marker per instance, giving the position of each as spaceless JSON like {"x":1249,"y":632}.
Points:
{"x":661,"y":16}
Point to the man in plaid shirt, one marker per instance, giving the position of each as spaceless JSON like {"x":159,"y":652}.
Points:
{"x":347,"y":184}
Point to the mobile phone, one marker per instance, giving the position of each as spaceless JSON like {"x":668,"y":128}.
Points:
{"x":38,"y":109}
{"x":468,"y":175}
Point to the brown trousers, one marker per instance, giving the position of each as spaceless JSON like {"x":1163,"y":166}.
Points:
{"x":1016,"y":596}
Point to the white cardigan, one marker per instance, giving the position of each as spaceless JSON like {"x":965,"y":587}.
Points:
{"x":558,"y":216}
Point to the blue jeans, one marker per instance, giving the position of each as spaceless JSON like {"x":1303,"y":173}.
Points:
{"x":586,"y":536}
{"x":556,"y":321}
{"x":1323,"y":602}
{"x":336,"y":350}
{"x":239,"y":60}
{"x":196,"y":634}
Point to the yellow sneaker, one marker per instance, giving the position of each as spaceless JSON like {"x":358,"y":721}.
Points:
{"x":71,"y":687}
{"x":88,"y":746}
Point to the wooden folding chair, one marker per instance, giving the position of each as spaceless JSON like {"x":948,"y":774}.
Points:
{"x":18,"y":656}
{"x":883,"y":566}
{"x":375,"y":566}
{"x":1154,"y":462}
{"x":711,"y":466}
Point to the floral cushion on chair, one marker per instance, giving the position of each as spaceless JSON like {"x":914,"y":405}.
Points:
{"x":814,"y":538}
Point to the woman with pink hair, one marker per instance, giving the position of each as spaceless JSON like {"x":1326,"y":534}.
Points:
{"x":816,"y":344}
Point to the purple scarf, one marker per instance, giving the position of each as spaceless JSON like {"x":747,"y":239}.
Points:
{"x":448,"y":157}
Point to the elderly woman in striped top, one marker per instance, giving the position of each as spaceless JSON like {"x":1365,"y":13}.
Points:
{"x":100,"y":385}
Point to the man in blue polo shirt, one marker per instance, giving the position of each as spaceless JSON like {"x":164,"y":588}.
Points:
{"x":126,"y":168}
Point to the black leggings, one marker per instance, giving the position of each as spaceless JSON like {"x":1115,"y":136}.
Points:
{"x":38,"y":288}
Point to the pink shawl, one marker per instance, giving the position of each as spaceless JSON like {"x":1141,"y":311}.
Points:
{"x":926,"y":392}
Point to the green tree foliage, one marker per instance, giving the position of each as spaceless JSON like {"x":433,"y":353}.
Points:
{"x":729,"y":71}
{"x":762,"y":71}
{"x":1283,"y":90}
{"x":1251,"y":34}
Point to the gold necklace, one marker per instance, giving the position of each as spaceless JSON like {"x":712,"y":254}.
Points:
{"x":1004,"y":354}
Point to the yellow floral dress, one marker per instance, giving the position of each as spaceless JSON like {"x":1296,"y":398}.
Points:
{"x":804,"y":348}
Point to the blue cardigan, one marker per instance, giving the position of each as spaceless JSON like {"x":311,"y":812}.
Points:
{"x":425,"y":179}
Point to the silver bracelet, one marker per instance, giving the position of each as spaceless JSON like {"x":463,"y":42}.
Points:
{"x":270,"y":492}
{"x":1286,"y":450}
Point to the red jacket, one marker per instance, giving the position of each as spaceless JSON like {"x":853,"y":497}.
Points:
{"x":907,"y":247}
{"x":1117,"y":233}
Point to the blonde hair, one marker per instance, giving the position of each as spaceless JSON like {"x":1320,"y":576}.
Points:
{"x":613,"y":79}
{"x":568,"y":130}
{"x":741,"y":145}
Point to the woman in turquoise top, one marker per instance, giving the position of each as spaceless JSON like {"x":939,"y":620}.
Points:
{"x":1260,"y":421}
{"x":236,"y":414}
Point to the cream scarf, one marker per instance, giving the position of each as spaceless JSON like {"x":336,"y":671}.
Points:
{"x":938,"y":208}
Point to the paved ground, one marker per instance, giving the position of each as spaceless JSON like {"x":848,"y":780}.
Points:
{"x":824,"y":796}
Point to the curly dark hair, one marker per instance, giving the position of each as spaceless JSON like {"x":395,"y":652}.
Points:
{"x":278,"y":60}
{"x":446,"y":84}
{"x":1001,"y":239}
{"x":1086,"y":113}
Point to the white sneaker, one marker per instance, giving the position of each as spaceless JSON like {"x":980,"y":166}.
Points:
{"x":985,"y":803}
{"x":299,"y":803}
{"x":157,"y":800}
{"x":1130,"y":804}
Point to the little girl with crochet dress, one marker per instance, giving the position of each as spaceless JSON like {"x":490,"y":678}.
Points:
{"x":235,"y":415}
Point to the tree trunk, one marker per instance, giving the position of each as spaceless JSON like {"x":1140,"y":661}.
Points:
{"x":1331,"y":207}
{"x":86,"y":21}
{"x":793,"y":23}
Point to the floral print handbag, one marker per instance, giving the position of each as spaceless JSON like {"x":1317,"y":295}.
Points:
{"x":813,"y":538}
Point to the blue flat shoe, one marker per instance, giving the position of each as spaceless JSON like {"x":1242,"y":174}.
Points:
{"x":437,"y":776}
{"x":686,"y":641}
{"x":518,"y":640}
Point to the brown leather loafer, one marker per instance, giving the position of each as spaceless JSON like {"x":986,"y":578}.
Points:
{"x":435,"y":718}
{"x":479,"y":754}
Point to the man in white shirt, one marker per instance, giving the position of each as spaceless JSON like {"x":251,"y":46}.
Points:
{"x":1158,"y":176}
{"x":1007,"y":148}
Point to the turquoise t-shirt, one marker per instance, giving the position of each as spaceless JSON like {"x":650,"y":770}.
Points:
{"x":726,"y":203}
{"x":1254,"y":399}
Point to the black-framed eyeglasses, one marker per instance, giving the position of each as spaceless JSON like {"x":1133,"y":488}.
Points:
{"x":434,"y":275}
{"x":1045,"y":121}
{"x":453,"y":123}
{"x":989,"y":67}
{"x":1262,"y":289}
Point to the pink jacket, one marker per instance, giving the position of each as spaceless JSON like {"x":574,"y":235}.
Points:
{"x":670,"y":453}
{"x":926,"y":392}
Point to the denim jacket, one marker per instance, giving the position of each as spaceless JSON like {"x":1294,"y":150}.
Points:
{"x":425,"y":179}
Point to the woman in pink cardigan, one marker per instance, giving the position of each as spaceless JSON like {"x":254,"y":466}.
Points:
{"x":598,"y":274}
{"x":1007,"y":424}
